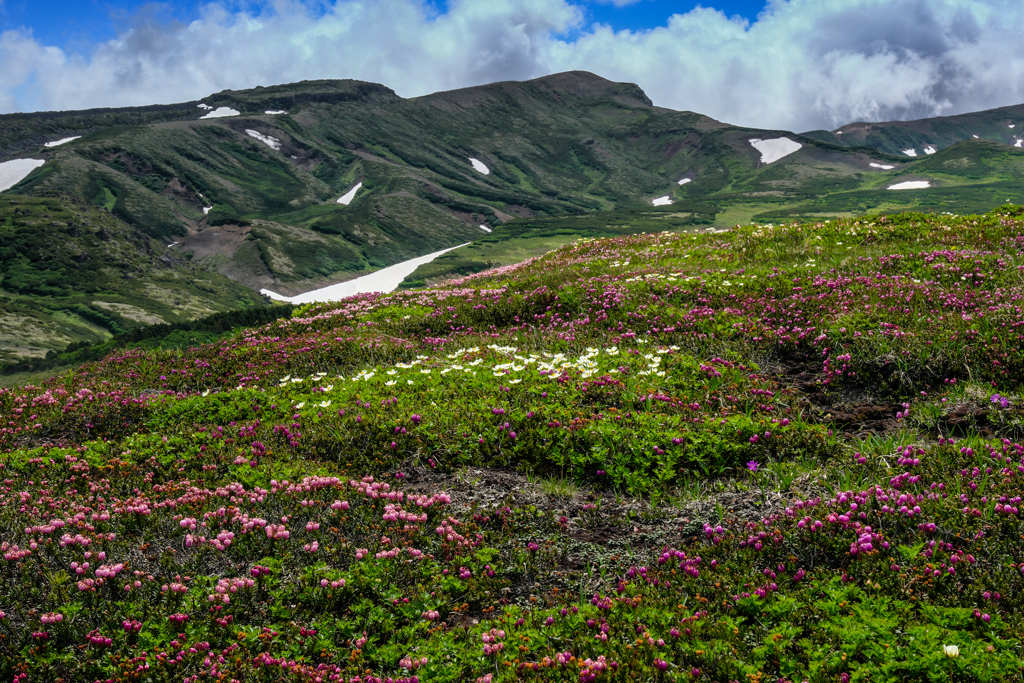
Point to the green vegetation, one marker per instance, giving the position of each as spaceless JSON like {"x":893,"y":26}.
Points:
{"x":70,"y":272}
{"x":779,"y":452}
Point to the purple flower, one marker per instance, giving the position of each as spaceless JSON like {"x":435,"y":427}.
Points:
{"x":753,"y":465}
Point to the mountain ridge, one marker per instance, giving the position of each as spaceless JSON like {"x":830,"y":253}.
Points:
{"x":249,"y":185}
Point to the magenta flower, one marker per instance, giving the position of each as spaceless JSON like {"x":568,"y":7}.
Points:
{"x":753,"y":465}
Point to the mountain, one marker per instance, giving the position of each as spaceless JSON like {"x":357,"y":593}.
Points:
{"x":927,"y":136}
{"x":296,"y":186}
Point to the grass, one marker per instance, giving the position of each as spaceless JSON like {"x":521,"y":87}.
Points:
{"x":671,"y":456}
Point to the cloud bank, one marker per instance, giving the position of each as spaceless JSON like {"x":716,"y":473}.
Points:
{"x":803,"y":64}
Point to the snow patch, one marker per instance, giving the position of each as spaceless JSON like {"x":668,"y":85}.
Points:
{"x":930,"y":150}
{"x":685,"y":180}
{"x":347,"y":198}
{"x":206,"y":210}
{"x":14,"y":171}
{"x":273,"y":112}
{"x":480,"y":166}
{"x":485,"y":228}
{"x":911,"y":185}
{"x":975,"y":136}
{"x":910,"y":152}
{"x":384,"y":280}
{"x":662,"y":201}
{"x":55,"y":143}
{"x":204,"y":106}
{"x":1018,"y":143}
{"x":773,"y":150}
{"x":269,"y":141}
{"x":1013,"y":125}
{"x":884,"y":167}
{"x":221,"y":112}
{"x":172,"y":244}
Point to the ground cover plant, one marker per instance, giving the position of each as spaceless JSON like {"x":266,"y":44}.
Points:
{"x":777,"y":452}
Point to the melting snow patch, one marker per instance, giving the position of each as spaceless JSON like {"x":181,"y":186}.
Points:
{"x":347,"y":198}
{"x":662,"y":201}
{"x":221,"y":112}
{"x":385,"y":280}
{"x":267,"y":140}
{"x":275,"y":111}
{"x":60,"y":142}
{"x":206,"y":210}
{"x":172,"y":244}
{"x":14,"y":171}
{"x":1018,"y":143}
{"x":773,"y":150}
{"x":204,"y":106}
{"x":910,"y":152}
{"x":479,"y":165}
{"x":685,"y":180}
{"x":1013,"y":125}
{"x":911,"y":185}
{"x":884,"y":167}
{"x":930,"y":150}
{"x":975,"y":136}
{"x":485,"y":228}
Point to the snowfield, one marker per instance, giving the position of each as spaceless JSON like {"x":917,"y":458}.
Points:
{"x":275,"y":111}
{"x":14,"y":171}
{"x":930,"y":150}
{"x":207,"y":209}
{"x":221,"y":112}
{"x":480,"y":166}
{"x":269,"y":141}
{"x":773,"y":150}
{"x":55,"y":143}
{"x":384,"y":280}
{"x":685,"y":180}
{"x":347,"y":198}
{"x":910,"y":152}
{"x":911,"y":185}
{"x":661,"y":201}
{"x":884,"y":167}
{"x":204,"y":106}
{"x":485,"y":228}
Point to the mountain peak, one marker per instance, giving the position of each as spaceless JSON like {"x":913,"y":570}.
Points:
{"x":578,"y":85}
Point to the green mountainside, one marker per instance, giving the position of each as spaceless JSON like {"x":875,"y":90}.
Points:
{"x":249,"y":201}
{"x":70,"y":272}
{"x":1005,"y":125}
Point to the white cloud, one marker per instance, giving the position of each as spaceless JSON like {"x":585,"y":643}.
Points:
{"x":803,"y":64}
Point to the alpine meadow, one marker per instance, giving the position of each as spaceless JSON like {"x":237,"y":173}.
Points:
{"x":680,"y":401}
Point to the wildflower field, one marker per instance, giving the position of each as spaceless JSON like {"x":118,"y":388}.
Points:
{"x":774,"y":453}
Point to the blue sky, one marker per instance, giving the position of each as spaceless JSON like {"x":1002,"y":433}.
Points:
{"x":78,"y":25}
{"x":784,"y":64}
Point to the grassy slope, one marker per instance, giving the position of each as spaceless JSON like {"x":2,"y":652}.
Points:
{"x":70,"y":272}
{"x":775,"y":452}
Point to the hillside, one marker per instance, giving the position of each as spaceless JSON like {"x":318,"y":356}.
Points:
{"x":294,"y":187}
{"x":926,"y":136}
{"x":70,"y":272}
{"x":781,"y":452}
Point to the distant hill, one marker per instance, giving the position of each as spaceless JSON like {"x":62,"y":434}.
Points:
{"x":244,"y":186}
{"x":1004,"y":125}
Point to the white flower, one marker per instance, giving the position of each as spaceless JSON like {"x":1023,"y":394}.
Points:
{"x":389,"y":383}
{"x":392,"y":372}
{"x":515,"y":381}
{"x":328,"y":387}
{"x":206,"y":393}
{"x":299,"y":405}
{"x":409,"y":381}
{"x":325,"y":404}
{"x":951,"y":650}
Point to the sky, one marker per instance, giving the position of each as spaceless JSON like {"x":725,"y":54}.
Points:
{"x":780,"y":64}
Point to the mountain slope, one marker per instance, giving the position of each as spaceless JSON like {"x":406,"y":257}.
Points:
{"x":296,"y":186}
{"x":254,"y":195}
{"x":1005,"y":125}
